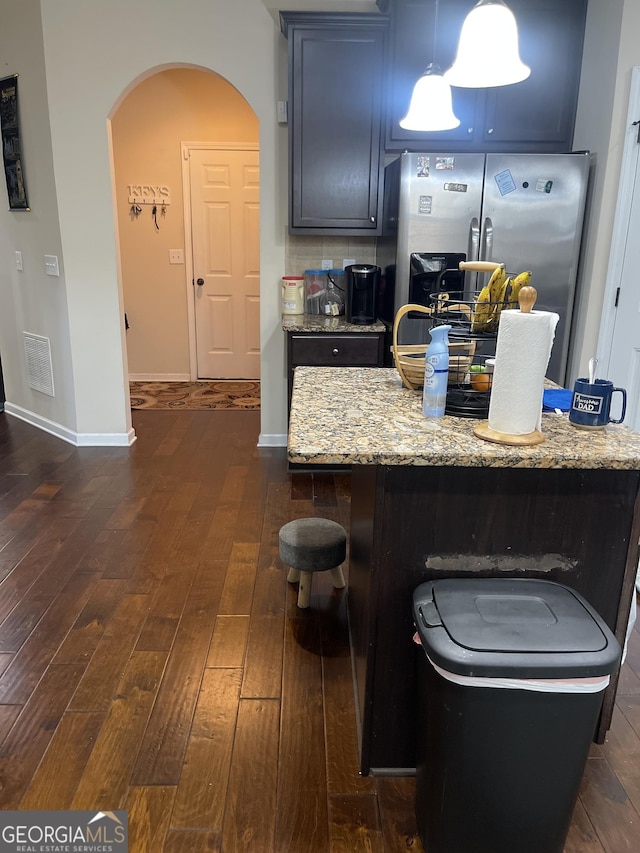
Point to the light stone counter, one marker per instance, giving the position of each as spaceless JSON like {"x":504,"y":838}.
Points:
{"x":354,"y":415}
{"x":319,"y":323}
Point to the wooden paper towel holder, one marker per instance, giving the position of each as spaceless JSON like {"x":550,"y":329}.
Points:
{"x":526,"y":298}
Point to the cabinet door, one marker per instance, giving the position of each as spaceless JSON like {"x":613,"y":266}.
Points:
{"x":540,"y":110}
{"x":412,"y":48}
{"x":535,"y":115}
{"x":335,"y":97}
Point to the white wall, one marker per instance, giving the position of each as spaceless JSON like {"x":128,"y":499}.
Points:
{"x":94,"y":52}
{"x":611,"y":50}
{"x":30,"y":300}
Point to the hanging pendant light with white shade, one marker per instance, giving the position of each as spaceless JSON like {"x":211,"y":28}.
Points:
{"x":488,"y":53}
{"x":430,"y":107}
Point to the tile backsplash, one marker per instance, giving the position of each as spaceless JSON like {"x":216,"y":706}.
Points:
{"x":303,"y":253}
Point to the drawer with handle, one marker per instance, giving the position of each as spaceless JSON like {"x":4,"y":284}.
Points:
{"x":340,"y":350}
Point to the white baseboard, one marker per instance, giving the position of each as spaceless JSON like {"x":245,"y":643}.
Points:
{"x":272,"y":440}
{"x":89,"y":439}
{"x":159,"y":377}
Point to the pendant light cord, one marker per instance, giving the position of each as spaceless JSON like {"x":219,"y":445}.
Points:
{"x":434,"y":58}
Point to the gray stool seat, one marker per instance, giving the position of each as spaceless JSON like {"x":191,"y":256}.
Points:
{"x":310,"y":545}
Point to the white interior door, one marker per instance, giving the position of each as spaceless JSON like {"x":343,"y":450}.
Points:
{"x":620,"y":330}
{"x":624,"y":364}
{"x":224,"y":187}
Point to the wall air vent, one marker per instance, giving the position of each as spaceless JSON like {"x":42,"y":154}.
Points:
{"x":39,"y":369}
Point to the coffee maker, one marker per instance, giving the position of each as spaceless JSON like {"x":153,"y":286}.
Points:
{"x":363,"y":282}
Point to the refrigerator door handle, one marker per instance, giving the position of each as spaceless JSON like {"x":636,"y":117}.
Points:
{"x":486,"y":240}
{"x":472,"y":255}
{"x":474,"y":239}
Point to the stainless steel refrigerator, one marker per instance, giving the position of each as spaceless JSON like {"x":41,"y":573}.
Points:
{"x":525,"y":210}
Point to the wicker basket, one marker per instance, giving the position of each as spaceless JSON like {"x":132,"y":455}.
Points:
{"x":409,"y":358}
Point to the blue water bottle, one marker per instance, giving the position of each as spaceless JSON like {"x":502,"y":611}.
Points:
{"x":436,"y":373}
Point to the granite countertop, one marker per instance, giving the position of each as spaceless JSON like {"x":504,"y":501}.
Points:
{"x":320,"y":323}
{"x":363,"y":415}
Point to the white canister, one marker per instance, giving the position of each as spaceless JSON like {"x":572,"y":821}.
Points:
{"x":292,"y":294}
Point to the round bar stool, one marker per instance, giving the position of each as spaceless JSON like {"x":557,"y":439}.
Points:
{"x":309,"y":545}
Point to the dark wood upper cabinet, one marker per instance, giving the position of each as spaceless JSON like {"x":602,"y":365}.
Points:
{"x":335,"y":121}
{"x":350,"y":82}
{"x":537,"y":114}
{"x":540,"y":111}
{"x":411,"y":49}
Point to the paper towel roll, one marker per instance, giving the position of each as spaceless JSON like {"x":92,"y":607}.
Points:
{"x":523,"y":350}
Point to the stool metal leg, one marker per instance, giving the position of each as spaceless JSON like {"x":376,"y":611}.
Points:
{"x":304,"y":589}
{"x":294,"y":575}
{"x":338,"y":578}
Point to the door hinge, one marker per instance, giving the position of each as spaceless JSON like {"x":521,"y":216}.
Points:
{"x":617,"y":297}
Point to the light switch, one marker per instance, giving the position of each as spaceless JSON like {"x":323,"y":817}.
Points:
{"x":19,"y":261}
{"x":51,"y":264}
{"x":176,"y":256}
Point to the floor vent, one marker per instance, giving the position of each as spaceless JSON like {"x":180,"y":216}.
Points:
{"x":39,"y":369}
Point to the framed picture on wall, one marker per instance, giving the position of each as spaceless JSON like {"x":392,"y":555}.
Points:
{"x":11,"y":155}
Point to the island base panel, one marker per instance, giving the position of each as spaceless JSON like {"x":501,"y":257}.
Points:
{"x":410,"y":524}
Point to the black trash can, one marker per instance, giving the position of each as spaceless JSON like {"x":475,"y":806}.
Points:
{"x":510,"y":689}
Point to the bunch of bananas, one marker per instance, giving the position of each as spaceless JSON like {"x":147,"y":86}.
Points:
{"x":517,"y":284}
{"x":499,"y":292}
{"x":482,"y":317}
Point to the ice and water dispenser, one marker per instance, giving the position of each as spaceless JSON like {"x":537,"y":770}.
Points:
{"x":435,"y":273}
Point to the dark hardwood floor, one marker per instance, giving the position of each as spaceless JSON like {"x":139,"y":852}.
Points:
{"x":152,"y":657}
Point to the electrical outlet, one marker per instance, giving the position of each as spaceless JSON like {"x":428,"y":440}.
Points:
{"x":176,"y":256}
{"x":326,"y":265}
{"x":19,"y":261}
{"x":347,"y":262}
{"x":51,"y":265}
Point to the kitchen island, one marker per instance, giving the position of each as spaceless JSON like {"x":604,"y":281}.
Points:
{"x":431,"y":500}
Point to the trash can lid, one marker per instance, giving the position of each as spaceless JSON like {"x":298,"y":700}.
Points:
{"x":512,"y":627}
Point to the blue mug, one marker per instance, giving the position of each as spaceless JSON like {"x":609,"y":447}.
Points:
{"x":591,"y":404}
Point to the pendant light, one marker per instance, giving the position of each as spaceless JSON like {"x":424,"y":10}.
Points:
{"x":430,"y":107}
{"x":488,"y":53}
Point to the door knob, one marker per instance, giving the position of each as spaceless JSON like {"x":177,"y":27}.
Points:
{"x":200,"y":281}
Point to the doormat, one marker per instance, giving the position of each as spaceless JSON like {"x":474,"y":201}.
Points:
{"x":215,"y":394}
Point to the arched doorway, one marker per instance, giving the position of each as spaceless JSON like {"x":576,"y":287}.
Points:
{"x":149,"y":130}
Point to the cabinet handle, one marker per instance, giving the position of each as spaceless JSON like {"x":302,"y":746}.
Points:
{"x":490,"y":130}
{"x":200,"y":282}
{"x":469,"y":130}
{"x":372,"y":219}
{"x":335,"y":351}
